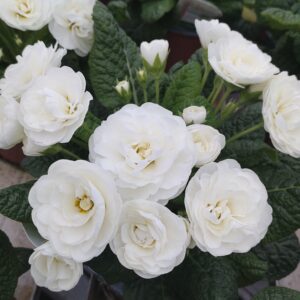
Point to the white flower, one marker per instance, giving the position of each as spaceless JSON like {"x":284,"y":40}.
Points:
{"x":194,"y":114}
{"x":150,"y":51}
{"x":148,"y":150}
{"x":151,"y":240}
{"x":72,"y":25}
{"x":35,"y":60}
{"x":240,"y":61}
{"x":54,"y":107}
{"x":26,"y":14}
{"x":53,"y":271}
{"x":76,"y":207}
{"x":211,"y":31}
{"x":122,"y":85}
{"x":11,"y":132}
{"x":208,"y":143}
{"x":227,"y":207}
{"x":281,"y":111}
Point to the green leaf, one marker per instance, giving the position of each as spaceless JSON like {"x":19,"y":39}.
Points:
{"x":184,"y":88}
{"x":244,"y":119}
{"x":110,"y":56}
{"x":14,"y":202}
{"x":153,"y":10}
{"x":203,"y":277}
{"x":108,"y":266}
{"x":249,"y":267}
{"x":282,"y":256}
{"x":147,"y":289}
{"x":277,"y":293}
{"x":13,"y":262}
{"x":281,"y":19}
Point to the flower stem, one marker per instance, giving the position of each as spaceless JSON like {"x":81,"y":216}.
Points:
{"x":79,"y":142}
{"x":69,"y":154}
{"x":207,"y":70}
{"x":245,"y":132}
{"x":131,"y":80}
{"x":216,"y":91}
{"x":145,"y":94}
{"x":224,"y":98}
{"x":157,"y":89}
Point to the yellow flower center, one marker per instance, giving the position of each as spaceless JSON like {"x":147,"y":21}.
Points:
{"x":84,"y":204}
{"x":142,"y":149}
{"x":23,"y":9}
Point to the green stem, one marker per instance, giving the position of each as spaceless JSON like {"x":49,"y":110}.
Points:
{"x":145,"y":93}
{"x":157,"y":89}
{"x":80,"y":143}
{"x":215,"y":92}
{"x":224,"y":98}
{"x":131,"y":80}
{"x":69,"y":153}
{"x":245,"y":132}
{"x":207,"y":70}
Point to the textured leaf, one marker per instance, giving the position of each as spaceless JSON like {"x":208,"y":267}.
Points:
{"x":13,"y":263}
{"x":152,"y":11}
{"x":203,"y":277}
{"x":184,"y":88}
{"x":282,"y":257}
{"x":108,"y":266}
{"x":277,"y":293}
{"x":113,"y":50}
{"x":14,"y":202}
{"x":249,"y":267}
{"x":243,"y":119}
{"x":281,"y":19}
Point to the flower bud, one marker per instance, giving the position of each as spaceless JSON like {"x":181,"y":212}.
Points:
{"x":123,"y":89}
{"x":141,"y":76}
{"x":194,"y":114}
{"x":155,"y":55}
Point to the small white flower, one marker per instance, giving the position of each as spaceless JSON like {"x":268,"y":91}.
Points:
{"x":227,"y":207}
{"x":194,"y":114}
{"x":35,"y":60}
{"x":72,"y":25}
{"x":151,"y":240}
{"x":240,"y":62}
{"x":208,"y":143}
{"x":11,"y":132}
{"x":54,"y":107}
{"x":156,"y":48}
{"x":147,"y":149}
{"x":26,"y":14}
{"x":211,"y":31}
{"x":53,"y":271}
{"x":122,"y":86}
{"x":77,"y":208}
{"x":281,"y":111}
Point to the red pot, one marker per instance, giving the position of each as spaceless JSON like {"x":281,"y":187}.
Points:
{"x":14,"y":155}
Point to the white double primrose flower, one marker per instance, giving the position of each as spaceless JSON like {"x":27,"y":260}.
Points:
{"x":53,"y":271}
{"x":53,"y":108}
{"x":151,"y":240}
{"x":72,"y":25}
{"x":211,"y":31}
{"x":281,"y":111}
{"x":77,"y":208}
{"x":208,"y":143}
{"x":194,"y":114}
{"x":26,"y":14}
{"x":35,"y":61}
{"x":227,"y":207}
{"x":11,"y":132}
{"x":147,"y":149}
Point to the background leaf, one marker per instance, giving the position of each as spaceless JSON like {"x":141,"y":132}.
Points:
{"x":277,"y":293}
{"x":152,"y":11}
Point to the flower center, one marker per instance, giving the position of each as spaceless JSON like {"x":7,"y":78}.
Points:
{"x":142,"y":237}
{"x":23,"y":9}
{"x":217,"y":212}
{"x":84,"y":203}
{"x":71,"y":108}
{"x":142,"y":149}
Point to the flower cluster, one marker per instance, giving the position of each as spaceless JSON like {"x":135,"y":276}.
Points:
{"x":142,"y":157}
{"x":43,"y":103}
{"x":70,"y":21}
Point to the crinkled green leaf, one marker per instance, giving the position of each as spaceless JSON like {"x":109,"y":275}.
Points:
{"x":281,"y":19}
{"x":13,"y":262}
{"x":14,"y":202}
{"x":184,"y":88}
{"x":277,"y":293}
{"x":282,"y":256}
{"x":153,"y":10}
{"x":111,"y":57}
